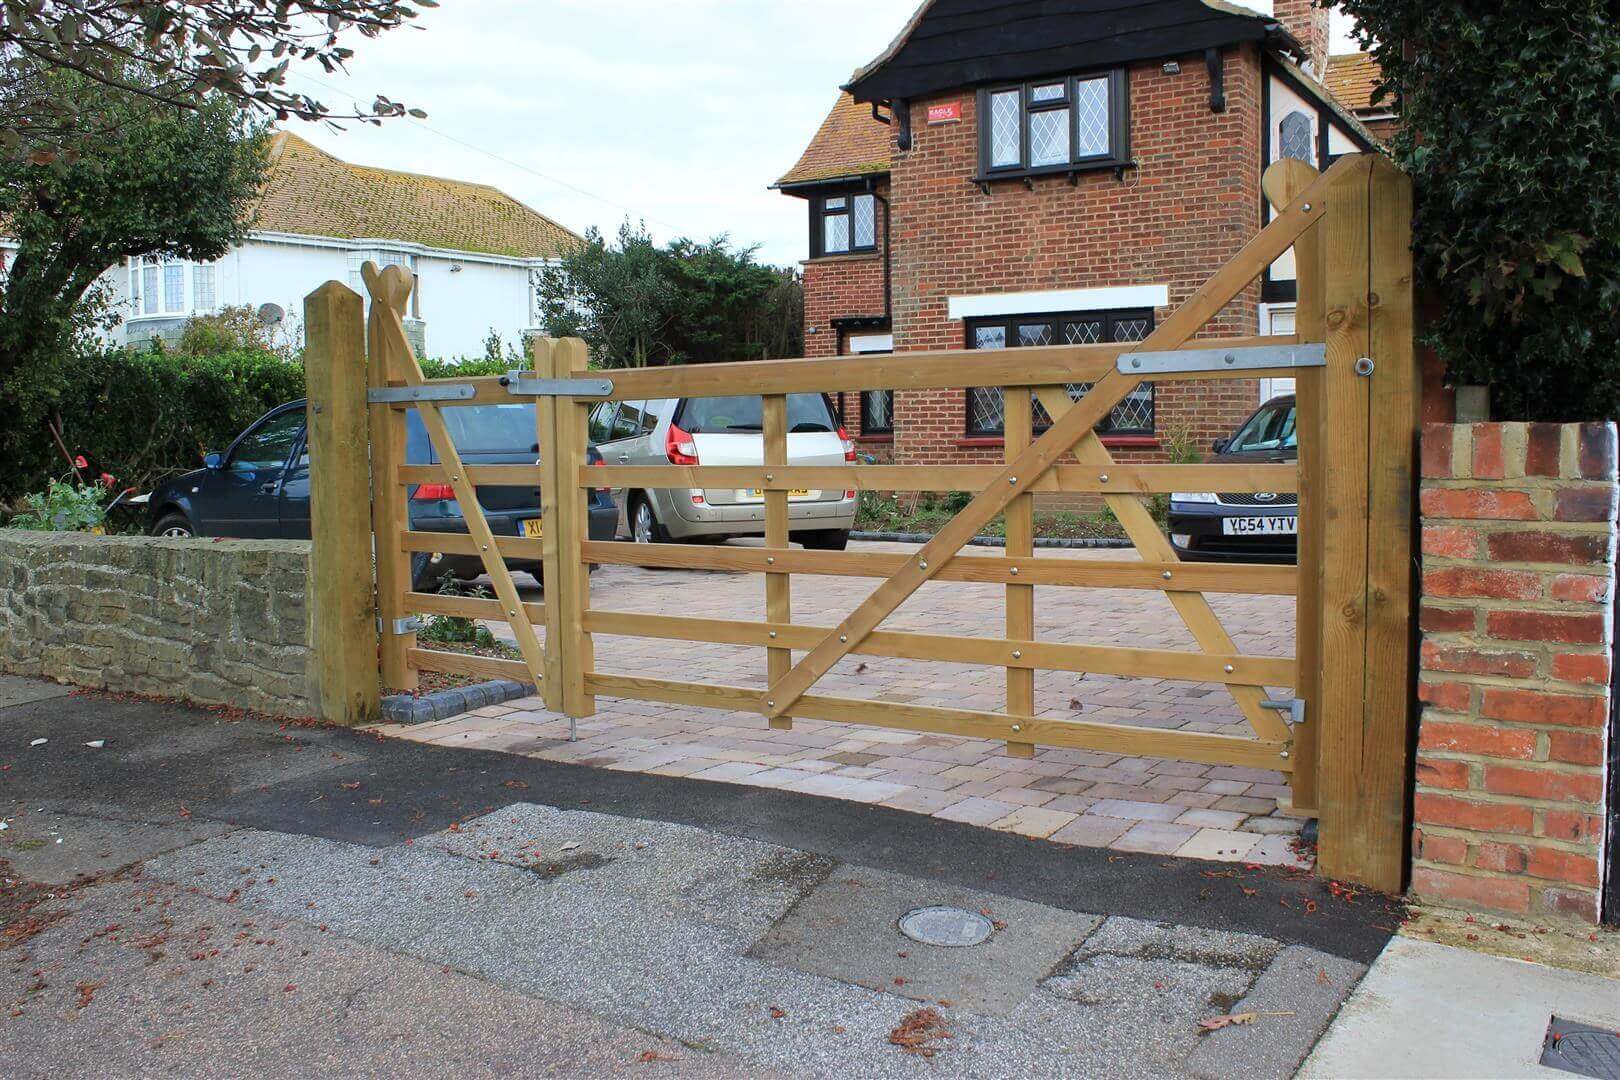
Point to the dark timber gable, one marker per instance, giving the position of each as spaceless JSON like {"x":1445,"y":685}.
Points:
{"x":960,"y":43}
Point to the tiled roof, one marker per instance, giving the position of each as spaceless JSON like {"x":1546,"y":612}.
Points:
{"x":310,"y":192}
{"x":1351,"y":78}
{"x":850,"y":143}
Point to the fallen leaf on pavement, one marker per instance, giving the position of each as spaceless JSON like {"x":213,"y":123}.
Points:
{"x":777,"y":1013}
{"x":918,"y":1031}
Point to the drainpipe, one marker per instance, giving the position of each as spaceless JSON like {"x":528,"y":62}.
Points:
{"x":888,"y":271}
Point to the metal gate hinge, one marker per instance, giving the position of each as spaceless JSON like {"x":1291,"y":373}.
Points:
{"x":528,"y":383}
{"x":1243,"y":358}
{"x":1294,"y":707}
{"x":394,"y":395}
{"x":408,"y":625}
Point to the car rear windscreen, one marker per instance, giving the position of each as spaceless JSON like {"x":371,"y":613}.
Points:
{"x":492,"y":429}
{"x":719,"y":415}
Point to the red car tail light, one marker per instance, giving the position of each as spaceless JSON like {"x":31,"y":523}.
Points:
{"x":433,"y":492}
{"x":849,"y":444}
{"x":680,"y":447}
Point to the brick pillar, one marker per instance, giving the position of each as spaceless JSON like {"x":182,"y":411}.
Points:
{"x":1518,"y":579}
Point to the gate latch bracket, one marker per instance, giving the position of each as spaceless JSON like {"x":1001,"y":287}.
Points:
{"x":527,"y":383}
{"x":1242,"y":358}
{"x":408,"y":625}
{"x":1294,"y":707}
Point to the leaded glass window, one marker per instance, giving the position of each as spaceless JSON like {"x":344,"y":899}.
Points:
{"x":1006,"y":123}
{"x":1294,"y":137}
{"x":1074,"y":121}
{"x":848,"y":223}
{"x":986,"y":410}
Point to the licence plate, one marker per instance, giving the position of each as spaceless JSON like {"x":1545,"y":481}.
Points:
{"x":796,"y":493}
{"x":1260,"y":526}
{"x":531,"y":527}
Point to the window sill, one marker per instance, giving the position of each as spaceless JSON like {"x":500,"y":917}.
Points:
{"x":1116,"y":442}
{"x":843,"y":256}
{"x":887,"y":437}
{"x":1071,"y":171}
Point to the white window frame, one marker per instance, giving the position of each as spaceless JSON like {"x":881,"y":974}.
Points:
{"x":188,"y":287}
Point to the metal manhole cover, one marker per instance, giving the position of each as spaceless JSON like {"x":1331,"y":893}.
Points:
{"x":951,"y":927}
{"x":1582,"y":1049}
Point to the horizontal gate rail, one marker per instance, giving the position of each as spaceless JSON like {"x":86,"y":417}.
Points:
{"x":1123,"y":479}
{"x":968,"y":723}
{"x":944,"y":369}
{"x":1173,"y":664}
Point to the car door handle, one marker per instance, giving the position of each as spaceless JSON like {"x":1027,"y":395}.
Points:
{"x":623,"y":458}
{"x":270,"y":488}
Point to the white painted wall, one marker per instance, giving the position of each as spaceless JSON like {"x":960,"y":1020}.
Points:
{"x":462,"y":296}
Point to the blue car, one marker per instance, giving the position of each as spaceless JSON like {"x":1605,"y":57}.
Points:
{"x":259,"y":486}
{"x":1259,"y":526}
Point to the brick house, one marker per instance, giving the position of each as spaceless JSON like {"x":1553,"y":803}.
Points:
{"x":998,"y":178}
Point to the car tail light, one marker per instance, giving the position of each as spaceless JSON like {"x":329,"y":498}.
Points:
{"x":849,"y":444}
{"x":433,"y":492}
{"x":849,"y":494}
{"x":679,"y":447}
{"x":599,"y":463}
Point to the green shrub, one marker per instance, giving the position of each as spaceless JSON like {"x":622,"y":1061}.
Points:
{"x":64,"y":506}
{"x":1511,"y":134}
{"x":143,"y":416}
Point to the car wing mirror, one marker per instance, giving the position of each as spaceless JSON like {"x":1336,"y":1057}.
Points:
{"x":1219,"y":445}
{"x":213,"y":460}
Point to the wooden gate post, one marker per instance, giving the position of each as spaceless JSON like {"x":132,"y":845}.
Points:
{"x":565,"y":526}
{"x":1370,"y":401}
{"x":344,"y":638}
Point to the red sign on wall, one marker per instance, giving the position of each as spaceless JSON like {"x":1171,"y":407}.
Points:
{"x":948,"y":113}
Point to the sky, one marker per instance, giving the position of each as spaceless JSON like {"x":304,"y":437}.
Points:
{"x":679,"y":115}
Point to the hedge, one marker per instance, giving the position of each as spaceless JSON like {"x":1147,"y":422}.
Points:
{"x":144,"y":416}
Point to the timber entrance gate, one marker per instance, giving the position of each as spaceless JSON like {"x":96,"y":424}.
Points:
{"x":1340,"y":737}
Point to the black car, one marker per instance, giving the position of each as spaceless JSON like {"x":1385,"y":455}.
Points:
{"x":1260,"y":526}
{"x":259,"y":487}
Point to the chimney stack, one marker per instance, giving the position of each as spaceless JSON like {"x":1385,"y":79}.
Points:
{"x":1309,"y":23}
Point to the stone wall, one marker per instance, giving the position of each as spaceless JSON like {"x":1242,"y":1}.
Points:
{"x":1518,"y":583}
{"x":215,"y":622}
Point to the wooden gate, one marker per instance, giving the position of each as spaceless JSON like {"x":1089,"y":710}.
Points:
{"x":1340,"y":737}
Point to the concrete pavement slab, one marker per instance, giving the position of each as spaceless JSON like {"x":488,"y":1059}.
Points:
{"x":146,"y":979}
{"x":54,"y":848}
{"x":17,"y":691}
{"x":846,"y":929}
{"x":1439,"y":1011}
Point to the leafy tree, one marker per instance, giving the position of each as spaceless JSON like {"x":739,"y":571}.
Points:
{"x":1511,"y":133}
{"x":175,"y":52}
{"x":162,"y":180}
{"x":637,"y":304}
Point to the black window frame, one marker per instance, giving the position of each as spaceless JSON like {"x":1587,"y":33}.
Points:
{"x":1009,"y":323}
{"x":1119,"y":125}
{"x":819,"y":213}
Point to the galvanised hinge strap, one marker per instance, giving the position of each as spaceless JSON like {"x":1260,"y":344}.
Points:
{"x":395,"y":395}
{"x":1247,"y":358}
{"x":527,"y":383}
{"x":408,"y":625}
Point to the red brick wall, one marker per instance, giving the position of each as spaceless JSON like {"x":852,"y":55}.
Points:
{"x":1518,"y":582}
{"x":1191,"y":203}
{"x":1308,"y":22}
{"x":839,"y":286}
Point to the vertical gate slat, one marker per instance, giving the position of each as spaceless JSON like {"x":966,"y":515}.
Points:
{"x":1344,"y":528}
{"x":570,"y":360}
{"x":778,"y":587}
{"x":388,"y":507}
{"x":1309,"y":313}
{"x":552,"y":488}
{"x":1017,"y":419}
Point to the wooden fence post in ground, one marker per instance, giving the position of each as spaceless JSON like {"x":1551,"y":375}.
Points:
{"x":385,"y":367}
{"x":569,"y":649}
{"x":344,"y":616}
{"x":1370,"y":394}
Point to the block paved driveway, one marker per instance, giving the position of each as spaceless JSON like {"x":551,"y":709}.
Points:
{"x":1071,"y":796}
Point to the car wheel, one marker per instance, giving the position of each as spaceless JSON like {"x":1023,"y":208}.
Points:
{"x":425,"y":577}
{"x":824,"y":539}
{"x":174,"y":525}
{"x":644,"y":527}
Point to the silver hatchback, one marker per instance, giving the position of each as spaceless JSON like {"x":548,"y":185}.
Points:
{"x":723,"y":431}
